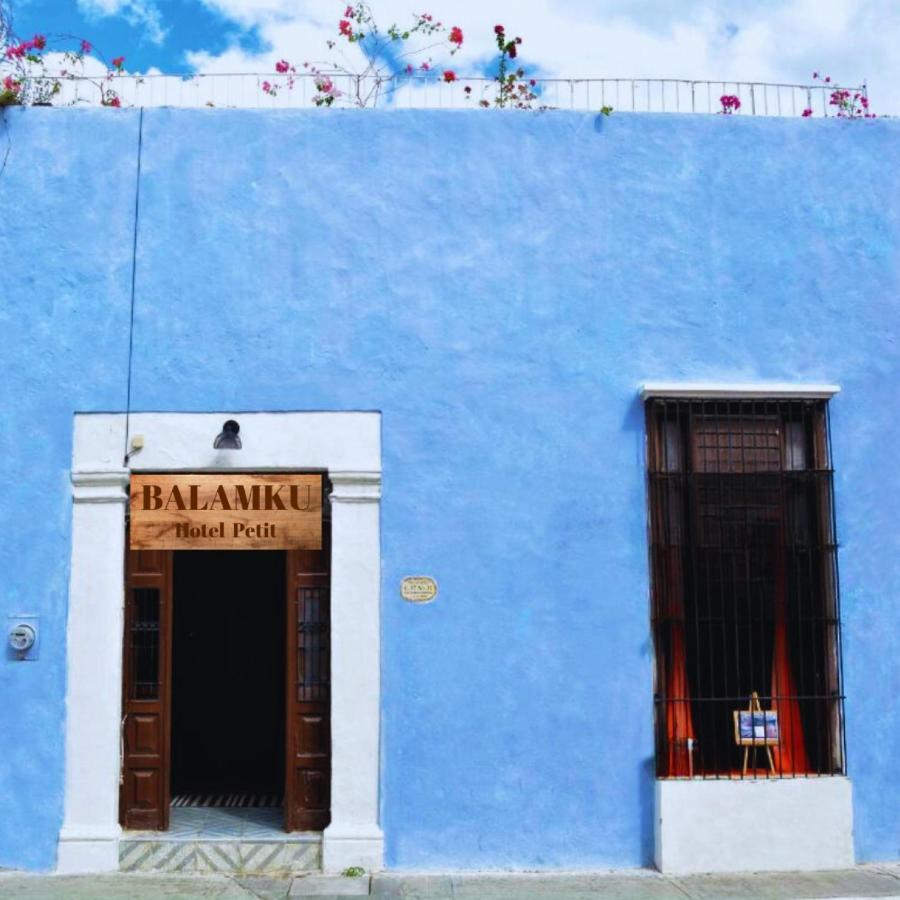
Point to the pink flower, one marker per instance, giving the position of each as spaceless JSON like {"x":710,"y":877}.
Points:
{"x":827,"y":79}
{"x":806,"y":113}
{"x":10,"y":84}
{"x":86,"y":47}
{"x":267,"y":88}
{"x":344,"y":28}
{"x":282,"y":66}
{"x":449,"y":75}
{"x":425,"y":67}
{"x":456,"y":36}
{"x":730,"y":103}
{"x":533,"y":83}
{"x":39,"y":42}
{"x":348,"y":12}
{"x":118,"y":62}
{"x":409,"y":69}
{"x":498,"y":29}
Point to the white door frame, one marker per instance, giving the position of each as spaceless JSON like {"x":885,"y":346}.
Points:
{"x":348,"y":446}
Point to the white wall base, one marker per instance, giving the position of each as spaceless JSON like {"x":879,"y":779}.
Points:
{"x":360,"y":847}
{"x":82,"y":854}
{"x":753,"y":825}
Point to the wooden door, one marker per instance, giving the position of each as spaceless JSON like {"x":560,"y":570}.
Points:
{"x":144,"y":779}
{"x":307,"y":794}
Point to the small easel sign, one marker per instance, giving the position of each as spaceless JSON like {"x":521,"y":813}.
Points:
{"x":755,"y":727}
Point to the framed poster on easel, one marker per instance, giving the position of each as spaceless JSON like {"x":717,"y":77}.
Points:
{"x":756,"y":727}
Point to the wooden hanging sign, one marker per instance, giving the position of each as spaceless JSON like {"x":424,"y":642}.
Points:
{"x":226,"y":512}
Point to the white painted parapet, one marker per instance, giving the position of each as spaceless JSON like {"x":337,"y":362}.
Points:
{"x":756,"y":825}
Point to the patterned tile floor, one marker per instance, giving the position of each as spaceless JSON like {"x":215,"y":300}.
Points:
{"x":214,"y":839}
{"x":200,"y":823}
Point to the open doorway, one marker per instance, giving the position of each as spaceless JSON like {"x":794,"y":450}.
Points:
{"x":228,"y":678}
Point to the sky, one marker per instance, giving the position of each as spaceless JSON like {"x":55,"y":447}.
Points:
{"x":766,"y":40}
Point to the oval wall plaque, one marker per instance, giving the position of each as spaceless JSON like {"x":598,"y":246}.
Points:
{"x":418,"y":588}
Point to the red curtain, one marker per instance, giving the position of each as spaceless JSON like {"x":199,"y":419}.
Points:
{"x":679,"y":721}
{"x":790,"y":754}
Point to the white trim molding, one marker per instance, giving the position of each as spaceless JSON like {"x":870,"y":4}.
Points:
{"x":755,"y":390}
{"x":753,"y":825}
{"x":346,"y":445}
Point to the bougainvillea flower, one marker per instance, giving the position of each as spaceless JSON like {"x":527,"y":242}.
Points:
{"x":86,"y":46}
{"x":498,"y":29}
{"x":456,"y":36}
{"x":806,"y":113}
{"x":118,"y":62}
{"x":344,"y":28}
{"x":449,"y":75}
{"x":282,"y":66}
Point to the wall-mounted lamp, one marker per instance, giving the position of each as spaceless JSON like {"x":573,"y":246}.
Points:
{"x":228,"y":437}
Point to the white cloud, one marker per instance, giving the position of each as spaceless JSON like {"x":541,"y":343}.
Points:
{"x":772,"y":40}
{"x":140,"y":13}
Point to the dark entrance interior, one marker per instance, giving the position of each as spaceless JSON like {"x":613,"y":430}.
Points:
{"x":228,"y":678}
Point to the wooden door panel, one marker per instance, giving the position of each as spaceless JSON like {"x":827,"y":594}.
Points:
{"x":144,"y":788}
{"x":142,"y":735}
{"x":307,"y":805}
{"x":312,"y":736}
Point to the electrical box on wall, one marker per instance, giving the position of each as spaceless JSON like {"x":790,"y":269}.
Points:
{"x":22,"y":637}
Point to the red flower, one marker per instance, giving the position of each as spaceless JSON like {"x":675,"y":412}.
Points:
{"x":39,"y":42}
{"x":282,"y":66}
{"x":449,"y":75}
{"x":456,"y":36}
{"x":344,"y":28}
{"x":498,"y":29}
{"x":118,"y":62}
{"x":114,"y":101}
{"x":807,"y":113}
{"x":10,"y":84}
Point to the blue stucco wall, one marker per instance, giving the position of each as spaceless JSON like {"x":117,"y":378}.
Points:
{"x":498,"y":285}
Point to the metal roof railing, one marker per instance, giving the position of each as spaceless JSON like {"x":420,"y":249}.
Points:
{"x":430,"y":91}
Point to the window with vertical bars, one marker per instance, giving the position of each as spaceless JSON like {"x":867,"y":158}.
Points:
{"x":744,"y":588}
{"x":144,"y":644}
{"x":313,"y":644}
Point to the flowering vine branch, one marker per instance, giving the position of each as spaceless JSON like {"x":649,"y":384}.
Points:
{"x":385,"y":56}
{"x":33,"y":70}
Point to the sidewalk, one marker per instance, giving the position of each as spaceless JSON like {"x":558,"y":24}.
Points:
{"x":862,"y":882}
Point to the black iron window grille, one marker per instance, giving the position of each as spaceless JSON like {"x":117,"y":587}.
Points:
{"x":145,"y":644}
{"x":745,"y":604}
